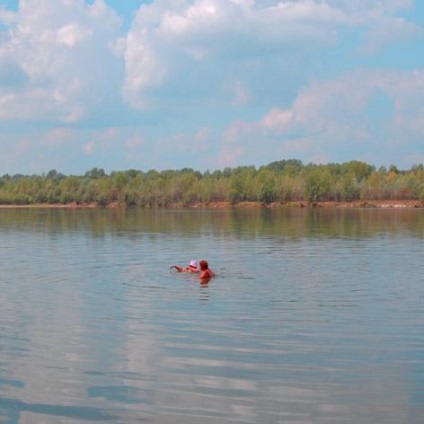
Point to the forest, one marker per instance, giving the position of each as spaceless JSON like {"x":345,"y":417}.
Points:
{"x":282,"y":181}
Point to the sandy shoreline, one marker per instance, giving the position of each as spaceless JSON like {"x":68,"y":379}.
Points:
{"x":242,"y":205}
{"x":278,"y":205}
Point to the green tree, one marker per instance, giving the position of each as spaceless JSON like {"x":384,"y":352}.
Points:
{"x":267,"y":187}
{"x":95,"y":173}
{"x":317,"y":185}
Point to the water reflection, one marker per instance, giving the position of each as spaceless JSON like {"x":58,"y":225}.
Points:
{"x":204,"y":291}
{"x":314,"y":316}
{"x":16,"y":409}
{"x":291,"y":222}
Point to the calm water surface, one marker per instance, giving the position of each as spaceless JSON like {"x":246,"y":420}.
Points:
{"x":314,"y":317}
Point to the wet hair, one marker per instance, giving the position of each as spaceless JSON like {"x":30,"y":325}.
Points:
{"x":203,"y":265}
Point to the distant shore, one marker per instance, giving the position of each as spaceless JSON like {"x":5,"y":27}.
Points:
{"x":395,"y":204}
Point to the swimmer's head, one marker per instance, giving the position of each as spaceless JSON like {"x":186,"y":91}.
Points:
{"x":193,"y":264}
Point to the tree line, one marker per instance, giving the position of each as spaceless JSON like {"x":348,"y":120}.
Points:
{"x":280,"y":181}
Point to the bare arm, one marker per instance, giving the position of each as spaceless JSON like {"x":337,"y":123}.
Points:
{"x":177,"y":267}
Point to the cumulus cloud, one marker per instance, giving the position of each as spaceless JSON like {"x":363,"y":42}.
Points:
{"x":172,"y":43}
{"x":360,"y":114}
{"x":371,"y":8}
{"x":244,"y":81}
{"x":72,"y":34}
{"x":196,"y":45}
{"x":58,"y":58}
{"x":385,"y":33}
{"x":61,"y":54}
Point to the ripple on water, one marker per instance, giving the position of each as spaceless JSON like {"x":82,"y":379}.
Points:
{"x":301,"y":325}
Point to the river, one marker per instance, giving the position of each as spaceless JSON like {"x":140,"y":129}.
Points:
{"x":314,"y":316}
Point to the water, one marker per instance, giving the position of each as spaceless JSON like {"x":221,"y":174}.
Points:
{"x":314,"y":317}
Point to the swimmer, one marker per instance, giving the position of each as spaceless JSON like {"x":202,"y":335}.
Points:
{"x":205,"y":272}
{"x":192,"y":268}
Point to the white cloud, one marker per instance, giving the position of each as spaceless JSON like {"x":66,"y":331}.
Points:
{"x":202,"y":135}
{"x":57,"y":137}
{"x":371,"y":8}
{"x":6,"y":17}
{"x":367,"y":114}
{"x":273,"y":77}
{"x":62,"y":51}
{"x":204,"y":47}
{"x":170,"y":41}
{"x":61,"y":55}
{"x":88,"y":148}
{"x":277,"y":121}
{"x":388,"y":32}
{"x":72,"y":34}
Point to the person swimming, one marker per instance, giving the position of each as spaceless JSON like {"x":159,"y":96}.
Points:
{"x":205,"y":272}
{"x":192,"y":268}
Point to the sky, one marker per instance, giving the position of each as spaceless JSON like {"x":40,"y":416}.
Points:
{"x":209,"y":84}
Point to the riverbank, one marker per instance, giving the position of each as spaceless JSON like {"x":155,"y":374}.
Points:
{"x":277,"y":205}
{"x":396,"y":204}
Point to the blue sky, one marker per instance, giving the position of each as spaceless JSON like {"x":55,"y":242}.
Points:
{"x":207,"y":84}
